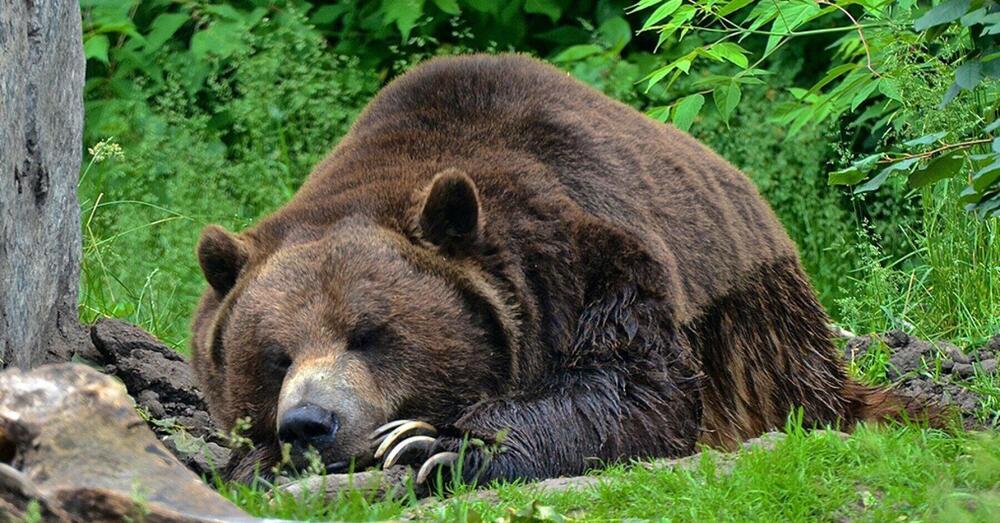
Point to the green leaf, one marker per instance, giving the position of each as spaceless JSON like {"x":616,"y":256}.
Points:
{"x":993,"y":126}
{"x":926,"y":139}
{"x":985,"y":177}
{"x":221,"y":39}
{"x":549,"y":8}
{"x":727,"y":97}
{"x":787,"y":19}
{"x":873,"y":183}
{"x":615,"y":33}
{"x":969,"y":195}
{"x":733,"y":6}
{"x":974,"y":17}
{"x":660,"y":13}
{"x":96,"y":47}
{"x":449,"y":6}
{"x":731,"y":52}
{"x":949,"y":95}
{"x":686,"y":110}
{"x":881,"y":177}
{"x":328,"y":14}
{"x":644,"y":4}
{"x":890,"y":88}
{"x":945,"y":12}
{"x":863,"y":94}
{"x":996,"y":145}
{"x":162,"y":28}
{"x":832,"y":75}
{"x":661,"y":113}
{"x":969,"y":74}
{"x":944,"y":166}
{"x":404,"y":13}
{"x":577,"y":52}
{"x":225,"y":11}
{"x":848,"y":176}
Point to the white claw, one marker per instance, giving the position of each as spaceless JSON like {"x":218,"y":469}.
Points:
{"x":441,"y":458}
{"x":398,"y":433}
{"x":422,"y":442}
{"x":386,"y":428}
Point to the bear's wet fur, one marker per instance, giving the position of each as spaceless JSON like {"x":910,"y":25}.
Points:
{"x":625,"y":292}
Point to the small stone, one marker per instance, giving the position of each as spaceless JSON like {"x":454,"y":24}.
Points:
{"x":946,"y":366}
{"x":955,"y":354}
{"x":896,"y":338}
{"x":857,"y":347}
{"x":963,"y":370}
{"x":994,"y":343}
{"x":151,"y":402}
{"x":989,"y":366}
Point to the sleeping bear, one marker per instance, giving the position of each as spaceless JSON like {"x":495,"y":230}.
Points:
{"x":503,"y":264}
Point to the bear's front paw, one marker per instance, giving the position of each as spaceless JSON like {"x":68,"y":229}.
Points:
{"x":418,"y":443}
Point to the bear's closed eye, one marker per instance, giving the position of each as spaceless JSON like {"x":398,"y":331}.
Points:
{"x":277,"y":361}
{"x":368,"y":336}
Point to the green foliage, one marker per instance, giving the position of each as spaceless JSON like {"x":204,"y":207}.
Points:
{"x":878,"y":48}
{"x":227,"y":150}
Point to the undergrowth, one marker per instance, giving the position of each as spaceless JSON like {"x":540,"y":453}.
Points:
{"x":900,"y":473}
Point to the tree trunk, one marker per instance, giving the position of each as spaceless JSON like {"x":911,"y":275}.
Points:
{"x":41,"y":127}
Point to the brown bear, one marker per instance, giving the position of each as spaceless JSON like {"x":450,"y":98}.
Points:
{"x":533,"y":274}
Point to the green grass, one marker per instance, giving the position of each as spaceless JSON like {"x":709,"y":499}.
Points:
{"x":900,"y":473}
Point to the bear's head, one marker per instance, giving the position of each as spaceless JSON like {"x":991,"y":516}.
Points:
{"x":320,"y":342}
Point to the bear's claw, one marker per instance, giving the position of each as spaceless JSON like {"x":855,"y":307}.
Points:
{"x":433,"y":462}
{"x":413,"y":439}
{"x":399,"y":430}
{"x":423,"y":443}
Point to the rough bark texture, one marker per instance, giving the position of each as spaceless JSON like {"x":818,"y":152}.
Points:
{"x":41,"y":125}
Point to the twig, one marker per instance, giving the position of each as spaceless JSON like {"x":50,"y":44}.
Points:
{"x":861,"y":34}
{"x":932,"y":152}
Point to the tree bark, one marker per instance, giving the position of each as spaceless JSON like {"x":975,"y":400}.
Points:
{"x":41,"y":126}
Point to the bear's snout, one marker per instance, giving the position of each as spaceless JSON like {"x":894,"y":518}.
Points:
{"x":308,"y":425}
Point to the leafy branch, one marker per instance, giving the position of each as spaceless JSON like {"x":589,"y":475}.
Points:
{"x":748,"y":33}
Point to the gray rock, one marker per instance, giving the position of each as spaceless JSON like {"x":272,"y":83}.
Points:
{"x":963,"y":370}
{"x":896,"y":338}
{"x":989,"y":366}
{"x":75,"y":444}
{"x":155,"y":375}
{"x":857,"y":347}
{"x":994,"y":344}
{"x":41,"y":126}
{"x":954,"y":353}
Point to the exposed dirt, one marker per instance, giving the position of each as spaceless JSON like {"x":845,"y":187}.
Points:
{"x":913,"y":364}
{"x":162,"y":384}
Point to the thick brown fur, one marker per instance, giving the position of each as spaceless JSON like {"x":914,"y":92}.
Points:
{"x":590,"y":283}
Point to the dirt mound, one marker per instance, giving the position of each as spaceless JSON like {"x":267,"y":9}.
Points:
{"x":161,"y":382}
{"x":938,"y":371}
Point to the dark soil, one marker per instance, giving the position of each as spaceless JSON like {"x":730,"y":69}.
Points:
{"x":162,"y":384}
{"x":913,"y":365}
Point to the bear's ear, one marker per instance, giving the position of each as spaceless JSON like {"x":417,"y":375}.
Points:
{"x":222,"y":256}
{"x":450,"y":213}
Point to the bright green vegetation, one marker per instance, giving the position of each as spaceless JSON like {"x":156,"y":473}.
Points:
{"x":221,"y":109}
{"x":889,"y":474}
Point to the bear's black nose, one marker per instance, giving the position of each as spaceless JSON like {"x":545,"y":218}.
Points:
{"x":306,"y":425}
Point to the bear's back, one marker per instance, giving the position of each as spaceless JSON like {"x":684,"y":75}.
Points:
{"x":517,"y":125}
